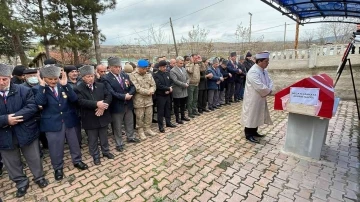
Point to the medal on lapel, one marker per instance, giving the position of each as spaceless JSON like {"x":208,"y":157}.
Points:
{"x":127,"y":83}
{"x":168,"y":77}
{"x":64,"y":95}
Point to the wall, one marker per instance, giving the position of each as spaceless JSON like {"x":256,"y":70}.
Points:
{"x":344,"y":89}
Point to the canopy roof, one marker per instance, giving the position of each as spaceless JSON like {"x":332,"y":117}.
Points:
{"x":316,"y":11}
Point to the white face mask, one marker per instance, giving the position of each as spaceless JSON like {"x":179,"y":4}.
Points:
{"x":32,"y":80}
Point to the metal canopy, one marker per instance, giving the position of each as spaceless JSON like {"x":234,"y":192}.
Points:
{"x":318,"y":11}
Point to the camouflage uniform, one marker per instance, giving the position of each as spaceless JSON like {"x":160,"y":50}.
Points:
{"x":144,"y":84}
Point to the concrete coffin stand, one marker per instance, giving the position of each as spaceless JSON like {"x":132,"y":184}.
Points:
{"x":305,"y":135}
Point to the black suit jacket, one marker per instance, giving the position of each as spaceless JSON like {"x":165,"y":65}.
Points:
{"x":163,"y":82}
{"x":88,"y":99}
{"x":118,"y":93}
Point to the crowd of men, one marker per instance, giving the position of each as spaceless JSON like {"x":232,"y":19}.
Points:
{"x":51,"y":105}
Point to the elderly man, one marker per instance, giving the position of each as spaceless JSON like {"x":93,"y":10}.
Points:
{"x":181,"y":81}
{"x":100,"y":72}
{"x":145,"y":88}
{"x":172,"y":64}
{"x":58,"y":118}
{"x":32,"y":82}
{"x":19,"y":131}
{"x":257,"y":87}
{"x":18,"y":74}
{"x":121,"y":107}
{"x":193,"y":70}
{"x":233,"y":70}
{"x":214,"y":84}
{"x":163,"y":99}
{"x":94,"y":100}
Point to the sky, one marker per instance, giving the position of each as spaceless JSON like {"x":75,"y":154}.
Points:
{"x":132,"y":19}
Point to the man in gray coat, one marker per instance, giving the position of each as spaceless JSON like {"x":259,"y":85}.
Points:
{"x":180,"y":80}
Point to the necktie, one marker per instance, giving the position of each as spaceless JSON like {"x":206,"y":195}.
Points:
{"x":90,"y":86}
{"x":54,"y":91}
{"x":4,"y":96}
{"x":120,"y":81}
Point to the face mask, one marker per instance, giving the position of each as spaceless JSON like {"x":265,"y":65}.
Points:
{"x":32,"y":80}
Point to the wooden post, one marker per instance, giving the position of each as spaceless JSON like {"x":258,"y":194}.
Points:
{"x":297,"y":37}
{"x":172,"y":29}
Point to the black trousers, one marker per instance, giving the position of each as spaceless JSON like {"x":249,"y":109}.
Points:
{"x":202,"y":100}
{"x":43,"y":140}
{"x":163,"y":104}
{"x":229,"y":91}
{"x":179,"y":103}
{"x":249,"y":132}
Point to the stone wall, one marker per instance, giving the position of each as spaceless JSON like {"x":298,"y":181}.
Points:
{"x":344,"y":89}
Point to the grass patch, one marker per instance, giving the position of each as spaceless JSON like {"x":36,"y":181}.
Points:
{"x":156,"y":184}
{"x":224,"y":164}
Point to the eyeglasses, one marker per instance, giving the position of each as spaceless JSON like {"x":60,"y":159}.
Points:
{"x":102,"y":71}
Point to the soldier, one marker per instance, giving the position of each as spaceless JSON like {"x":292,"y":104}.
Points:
{"x":94,"y":100}
{"x":145,"y":88}
{"x":163,"y":92}
{"x":121,"y":107}
{"x":58,"y":118}
{"x":19,"y":131}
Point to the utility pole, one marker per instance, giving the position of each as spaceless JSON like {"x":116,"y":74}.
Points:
{"x":172,"y":29}
{"x":250,"y":27}
{"x":296,"y":37}
{"x":284,"y":35}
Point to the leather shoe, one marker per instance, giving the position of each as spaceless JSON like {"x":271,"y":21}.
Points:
{"x":191,"y":116}
{"x":109,"y":156}
{"x":252,"y":139}
{"x":206,"y":110}
{"x":162,"y":130}
{"x":59,"y":175}
{"x":185,"y":119}
{"x":196,"y":113}
{"x":179,"y":122}
{"x":81,"y":165}
{"x":22,"y":191}
{"x":258,"y":135}
{"x":171,"y":125}
{"x":133,"y":140}
{"x":120,"y":148}
{"x":42,"y":183}
{"x":97,"y":162}
{"x":154,"y":121}
{"x":211,"y":109}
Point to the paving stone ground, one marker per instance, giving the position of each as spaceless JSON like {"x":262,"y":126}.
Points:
{"x":208,"y":159}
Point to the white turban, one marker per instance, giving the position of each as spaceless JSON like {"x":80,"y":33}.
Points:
{"x":262,"y":55}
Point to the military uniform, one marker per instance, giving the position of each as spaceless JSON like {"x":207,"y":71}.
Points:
{"x":143,"y":102}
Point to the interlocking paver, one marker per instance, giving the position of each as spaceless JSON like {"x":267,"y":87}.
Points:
{"x":196,"y":162}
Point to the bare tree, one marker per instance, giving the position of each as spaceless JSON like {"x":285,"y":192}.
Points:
{"x":242,"y":34}
{"x":158,"y":38}
{"x":197,"y":41}
{"x":340,"y":32}
{"x":308,"y":38}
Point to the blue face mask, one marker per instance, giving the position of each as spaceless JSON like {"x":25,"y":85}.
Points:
{"x":32,"y":80}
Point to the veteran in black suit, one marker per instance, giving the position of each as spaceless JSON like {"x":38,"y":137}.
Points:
{"x":163,"y":96}
{"x":94,"y":101}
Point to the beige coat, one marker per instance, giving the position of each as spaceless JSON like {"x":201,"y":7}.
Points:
{"x":144,"y":84}
{"x":193,"y":71}
{"x":258,"y":86}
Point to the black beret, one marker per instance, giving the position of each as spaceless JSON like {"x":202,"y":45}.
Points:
{"x":18,"y":70}
{"x":162,"y":63}
{"x":224,"y":62}
{"x":49,"y":61}
{"x":30,"y":71}
{"x":69,"y":68}
{"x":233,"y":54}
